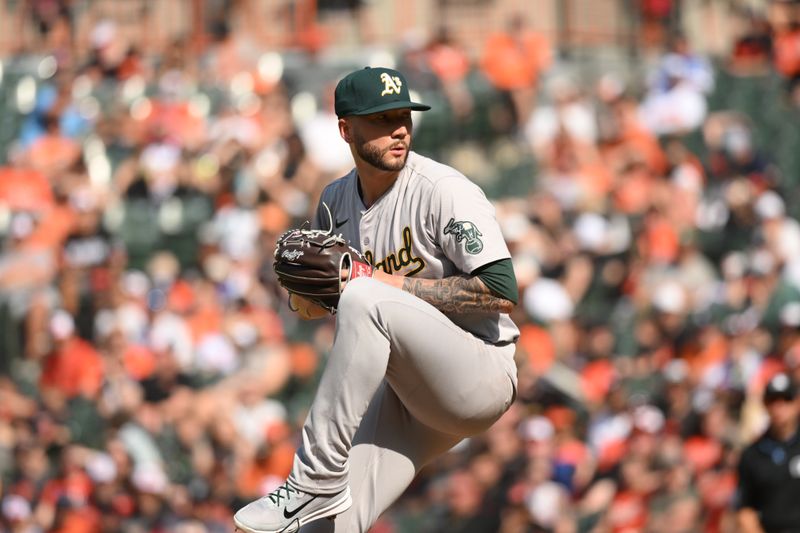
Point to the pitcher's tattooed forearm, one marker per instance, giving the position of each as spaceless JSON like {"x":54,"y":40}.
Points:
{"x":457,"y":295}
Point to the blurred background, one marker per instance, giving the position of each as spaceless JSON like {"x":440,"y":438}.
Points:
{"x":644,"y":160}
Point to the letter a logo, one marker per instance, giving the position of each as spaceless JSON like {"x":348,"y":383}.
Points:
{"x":391,"y":85}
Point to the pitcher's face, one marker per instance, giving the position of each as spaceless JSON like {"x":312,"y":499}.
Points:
{"x":381,"y":139}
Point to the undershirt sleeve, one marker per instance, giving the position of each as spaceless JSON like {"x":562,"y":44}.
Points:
{"x":499,"y":277}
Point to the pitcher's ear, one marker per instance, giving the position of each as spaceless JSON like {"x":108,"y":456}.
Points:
{"x":344,"y":130}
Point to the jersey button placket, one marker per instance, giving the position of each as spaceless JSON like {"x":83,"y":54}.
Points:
{"x":361,"y":226}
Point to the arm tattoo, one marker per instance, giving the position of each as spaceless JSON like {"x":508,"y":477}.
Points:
{"x":457,"y":295}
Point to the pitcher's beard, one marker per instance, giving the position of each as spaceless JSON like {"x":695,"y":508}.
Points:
{"x":377,"y":157}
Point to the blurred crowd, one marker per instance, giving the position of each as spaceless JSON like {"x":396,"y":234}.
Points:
{"x":153,"y":379}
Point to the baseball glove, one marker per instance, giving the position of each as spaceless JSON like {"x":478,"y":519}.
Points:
{"x":317,"y":265}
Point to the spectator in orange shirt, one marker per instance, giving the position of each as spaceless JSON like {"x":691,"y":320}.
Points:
{"x":27,"y":271}
{"x":53,"y":152}
{"x":514,"y":60}
{"x":74,"y":367}
{"x":786,"y":41}
{"x":451,"y":65}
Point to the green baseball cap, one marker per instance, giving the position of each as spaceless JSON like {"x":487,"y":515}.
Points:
{"x":372,"y":90}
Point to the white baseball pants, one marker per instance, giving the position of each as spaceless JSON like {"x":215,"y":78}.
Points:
{"x":402,"y":385}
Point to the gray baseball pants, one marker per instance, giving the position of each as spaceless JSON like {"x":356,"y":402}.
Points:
{"x":402,"y":385}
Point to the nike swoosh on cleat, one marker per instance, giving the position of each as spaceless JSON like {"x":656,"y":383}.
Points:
{"x":290,"y":514}
{"x":338,"y":223}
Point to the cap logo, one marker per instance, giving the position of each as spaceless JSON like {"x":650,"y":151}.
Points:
{"x":391,"y":84}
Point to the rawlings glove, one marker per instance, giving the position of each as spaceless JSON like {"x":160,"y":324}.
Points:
{"x":317,"y":265}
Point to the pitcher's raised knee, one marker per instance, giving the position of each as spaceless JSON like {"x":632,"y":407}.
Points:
{"x":359,"y":296}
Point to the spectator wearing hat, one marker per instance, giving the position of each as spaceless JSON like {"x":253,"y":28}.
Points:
{"x":769,"y":469}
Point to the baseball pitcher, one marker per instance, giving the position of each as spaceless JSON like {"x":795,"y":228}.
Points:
{"x":408,"y":253}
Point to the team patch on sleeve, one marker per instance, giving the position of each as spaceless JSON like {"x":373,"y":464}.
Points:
{"x":466,"y":232}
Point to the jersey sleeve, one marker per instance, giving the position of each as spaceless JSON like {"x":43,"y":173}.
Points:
{"x":465,"y":225}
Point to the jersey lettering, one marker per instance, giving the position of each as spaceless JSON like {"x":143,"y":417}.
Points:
{"x":391,"y":85}
{"x":396,"y":261}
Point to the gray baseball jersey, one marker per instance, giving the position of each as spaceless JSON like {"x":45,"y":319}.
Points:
{"x":402,"y":383}
{"x":432,"y":223}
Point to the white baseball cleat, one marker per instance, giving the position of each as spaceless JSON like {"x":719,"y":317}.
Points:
{"x":287,"y":509}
